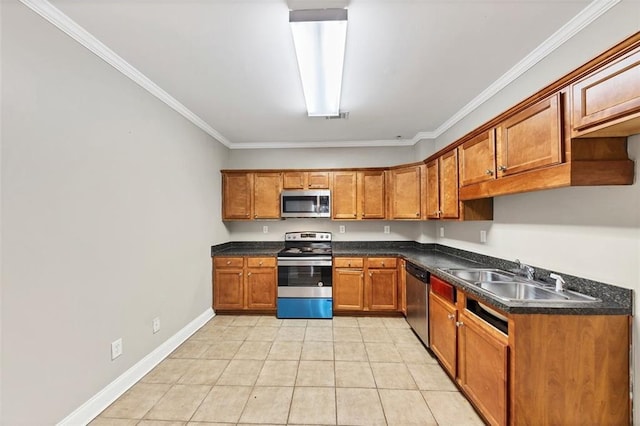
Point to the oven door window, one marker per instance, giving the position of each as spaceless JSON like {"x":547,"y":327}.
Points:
{"x":304,"y":276}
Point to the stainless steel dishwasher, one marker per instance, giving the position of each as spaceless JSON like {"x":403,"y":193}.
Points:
{"x":418,"y":301}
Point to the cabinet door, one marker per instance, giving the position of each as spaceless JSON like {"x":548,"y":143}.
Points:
{"x":443,"y":332}
{"x":477,"y":159}
{"x":531,"y":138}
{"x":482,"y":367}
{"x":293,"y":180}
{"x":449,"y":204}
{"x":609,"y":94}
{"x":433,"y":190}
{"x":228,"y":290}
{"x":261,"y":288}
{"x":344,"y":195}
{"x":382,"y":289}
{"x":348,"y":289}
{"x":236,"y":195}
{"x":405,"y":193}
{"x":372,"y":195}
{"x":318,"y":180}
{"x":266,"y":195}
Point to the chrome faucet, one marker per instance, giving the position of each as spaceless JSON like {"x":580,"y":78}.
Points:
{"x":525,"y":269}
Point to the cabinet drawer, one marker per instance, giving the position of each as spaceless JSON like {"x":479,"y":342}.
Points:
{"x":382,"y":262}
{"x":348,"y":262}
{"x":261,"y":262}
{"x":443,"y":289}
{"x":227,"y":262}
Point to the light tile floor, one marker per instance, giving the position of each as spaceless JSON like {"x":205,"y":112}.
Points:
{"x":244,"y":370}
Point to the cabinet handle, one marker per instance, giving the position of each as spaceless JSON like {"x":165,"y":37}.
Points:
{"x":489,"y":172}
{"x":502,"y":168}
{"x":459,"y":323}
{"x":451,"y":316}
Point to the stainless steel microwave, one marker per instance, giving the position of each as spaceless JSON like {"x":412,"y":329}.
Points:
{"x":309,"y":203}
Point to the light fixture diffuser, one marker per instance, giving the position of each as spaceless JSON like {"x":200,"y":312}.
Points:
{"x":319,"y":36}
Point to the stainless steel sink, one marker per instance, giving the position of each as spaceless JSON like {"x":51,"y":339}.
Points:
{"x":511,"y":287}
{"x":511,"y":290}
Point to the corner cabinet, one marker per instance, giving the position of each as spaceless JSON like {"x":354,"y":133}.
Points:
{"x":244,"y":283}
{"x":442,"y":188}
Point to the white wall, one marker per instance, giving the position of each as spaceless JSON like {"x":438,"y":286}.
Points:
{"x":321,"y":157}
{"x":110,"y":203}
{"x":354,"y":230}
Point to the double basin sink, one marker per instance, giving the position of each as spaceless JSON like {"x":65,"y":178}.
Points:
{"x":514,"y":288}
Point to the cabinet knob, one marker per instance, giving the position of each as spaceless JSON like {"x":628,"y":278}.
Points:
{"x":228,"y":262}
{"x":489,"y":172}
{"x":255,"y":215}
{"x":349,"y":265}
{"x":248,"y":274}
{"x":260,"y":263}
{"x":502,"y":168}
{"x":451,"y":316}
{"x":239,"y":274}
{"x":417,"y":214}
{"x":382,"y":264}
{"x":459,"y":323}
{"x":370,"y":274}
{"x":354,"y":215}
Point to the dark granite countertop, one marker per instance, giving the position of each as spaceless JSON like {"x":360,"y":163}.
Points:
{"x":434,"y":257}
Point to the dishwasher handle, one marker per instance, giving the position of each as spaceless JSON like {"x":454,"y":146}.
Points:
{"x":417,"y":272}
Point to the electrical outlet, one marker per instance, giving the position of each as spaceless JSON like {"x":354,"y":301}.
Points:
{"x":265,"y":229}
{"x":483,"y":236}
{"x":387,"y":229}
{"x":156,"y":325}
{"x":441,"y":231}
{"x":116,"y":349}
{"x":342,"y":229}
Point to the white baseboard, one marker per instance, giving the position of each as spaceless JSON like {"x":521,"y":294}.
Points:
{"x":94,"y":406}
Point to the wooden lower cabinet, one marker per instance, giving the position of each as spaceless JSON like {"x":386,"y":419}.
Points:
{"x":442,"y":332}
{"x":482,"y":367}
{"x":547,"y":370}
{"x":365,"y":285}
{"x":244,"y":283}
{"x":348,"y":289}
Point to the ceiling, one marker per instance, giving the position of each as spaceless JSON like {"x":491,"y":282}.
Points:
{"x":411,"y":67}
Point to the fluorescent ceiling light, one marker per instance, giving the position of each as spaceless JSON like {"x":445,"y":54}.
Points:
{"x":320,"y":36}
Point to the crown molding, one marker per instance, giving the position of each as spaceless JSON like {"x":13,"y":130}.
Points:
{"x":323,"y":144}
{"x":589,"y":14}
{"x":52,"y":14}
{"x":82,"y":36}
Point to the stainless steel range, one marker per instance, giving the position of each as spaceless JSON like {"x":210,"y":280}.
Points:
{"x":304,"y":276}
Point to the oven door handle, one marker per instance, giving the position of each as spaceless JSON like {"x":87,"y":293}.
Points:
{"x":304,"y":262}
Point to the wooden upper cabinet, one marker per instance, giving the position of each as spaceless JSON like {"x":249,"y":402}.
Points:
{"x":405,"y":192}
{"x":531,"y":138}
{"x":358,"y":195}
{"x":305,"y":180}
{"x":371,"y":188}
{"x":433,"y":189}
{"x":236,"y":195}
{"x":449,"y":204}
{"x":609,"y":97}
{"x":266,"y":195}
{"x":344,"y":204}
{"x":477,"y":158}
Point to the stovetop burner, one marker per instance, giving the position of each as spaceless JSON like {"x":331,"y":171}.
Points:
{"x":306,"y":244}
